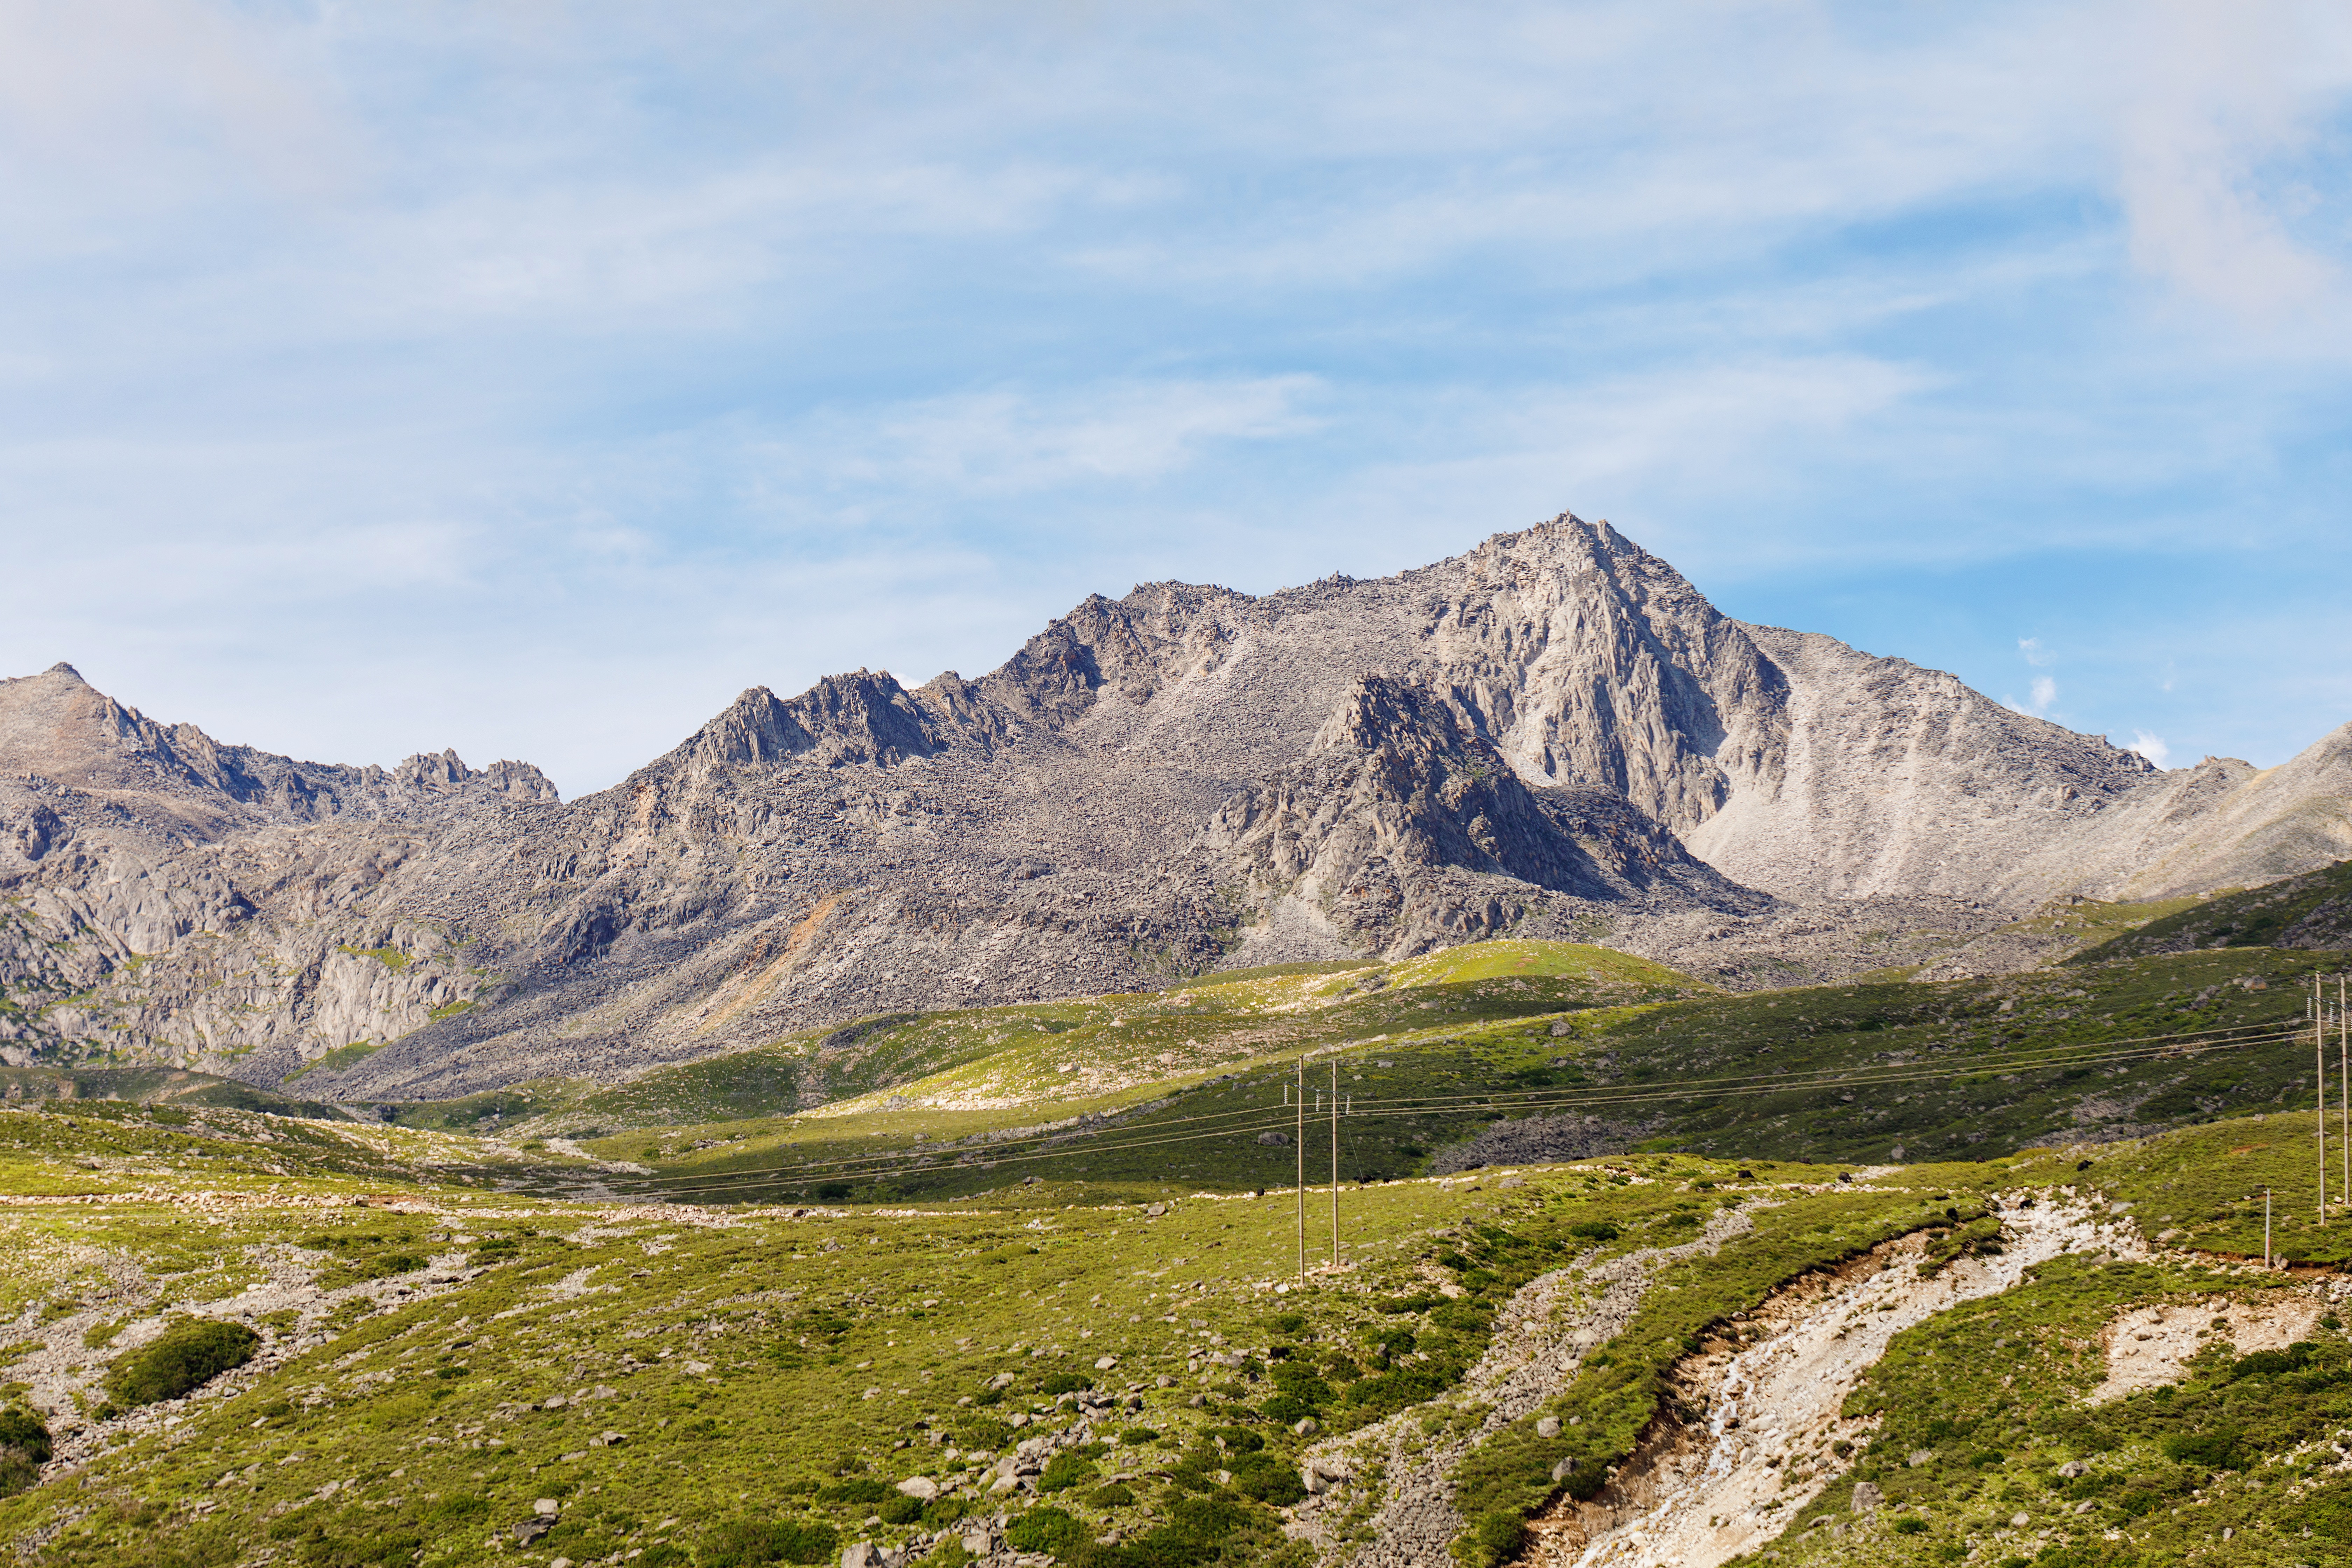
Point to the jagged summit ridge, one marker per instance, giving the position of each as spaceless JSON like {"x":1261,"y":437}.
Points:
{"x":57,"y":727}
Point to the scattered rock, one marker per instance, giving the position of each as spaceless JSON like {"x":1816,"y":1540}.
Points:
{"x":1867,"y":1497}
{"x":1547,"y":1427}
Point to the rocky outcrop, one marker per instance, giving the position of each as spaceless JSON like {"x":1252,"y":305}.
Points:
{"x":860,"y":718}
{"x":1398,"y":786}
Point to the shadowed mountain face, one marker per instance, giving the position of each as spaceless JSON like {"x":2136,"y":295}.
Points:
{"x":1553,"y":734}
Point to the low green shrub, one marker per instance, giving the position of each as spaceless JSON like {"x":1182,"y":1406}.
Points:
{"x":745,"y":1542}
{"x":1046,"y":1529}
{"x":25,"y":1448}
{"x":1496,"y":1539}
{"x":186,"y":1355}
{"x":1063,"y":1471}
{"x":2213,"y":1449}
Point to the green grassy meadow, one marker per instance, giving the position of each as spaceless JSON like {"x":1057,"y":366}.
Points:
{"x":770,"y":1287}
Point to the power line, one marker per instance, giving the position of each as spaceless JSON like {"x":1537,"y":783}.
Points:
{"x":1570,"y":1098}
{"x":2151,"y":1048}
{"x":2084,"y":1053}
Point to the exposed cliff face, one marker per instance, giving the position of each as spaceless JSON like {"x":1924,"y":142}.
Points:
{"x":1591,"y":662}
{"x":199,"y":903}
{"x":1399,"y":795}
{"x":1552,"y":733}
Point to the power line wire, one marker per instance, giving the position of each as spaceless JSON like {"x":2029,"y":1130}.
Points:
{"x":2153,"y":1047}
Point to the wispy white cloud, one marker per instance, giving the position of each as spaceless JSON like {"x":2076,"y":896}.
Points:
{"x":2215,"y":100}
{"x":1007,"y":441}
{"x":642,"y":356}
{"x":2152,"y":747}
{"x":2041,"y":695}
{"x":2035,"y":654}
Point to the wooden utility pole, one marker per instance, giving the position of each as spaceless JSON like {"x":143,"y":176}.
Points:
{"x":2266,"y":1227}
{"x":2344,"y":1087}
{"x":1335,"y":1162}
{"x":1302,"y":1169}
{"x":2319,"y":1075}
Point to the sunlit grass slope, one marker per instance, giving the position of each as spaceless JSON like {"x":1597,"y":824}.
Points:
{"x":1885,"y":1072}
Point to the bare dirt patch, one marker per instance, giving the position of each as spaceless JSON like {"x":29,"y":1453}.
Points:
{"x":2146,"y":1347}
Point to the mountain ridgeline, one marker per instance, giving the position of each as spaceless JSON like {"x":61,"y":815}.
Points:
{"x":1553,"y":735}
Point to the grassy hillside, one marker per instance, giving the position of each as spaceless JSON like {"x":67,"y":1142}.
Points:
{"x":682,"y":1377}
{"x":1450,"y":1072}
{"x":2314,"y":909}
{"x":702,"y":1386}
{"x":156,"y":1085}
{"x":995,"y":1057}
{"x":729,"y":1339}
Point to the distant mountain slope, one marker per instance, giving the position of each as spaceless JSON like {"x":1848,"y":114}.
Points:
{"x":1553,"y":735}
{"x":2313,"y":911}
{"x":56,"y":728}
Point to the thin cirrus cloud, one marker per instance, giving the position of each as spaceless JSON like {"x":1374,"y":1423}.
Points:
{"x":1013,"y":442}
{"x":637,"y":357}
{"x":2224,"y":101}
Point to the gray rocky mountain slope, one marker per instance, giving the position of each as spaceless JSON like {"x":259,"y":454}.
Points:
{"x":1553,"y":734}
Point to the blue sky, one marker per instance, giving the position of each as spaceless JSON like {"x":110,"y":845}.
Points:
{"x":531,"y":377}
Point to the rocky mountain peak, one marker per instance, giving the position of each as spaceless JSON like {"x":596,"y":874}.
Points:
{"x":56,"y":726}
{"x":1552,"y":733}
{"x":863,"y":717}
{"x":444,"y":772}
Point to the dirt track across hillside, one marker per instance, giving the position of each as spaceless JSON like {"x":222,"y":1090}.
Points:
{"x":1696,"y":1495}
